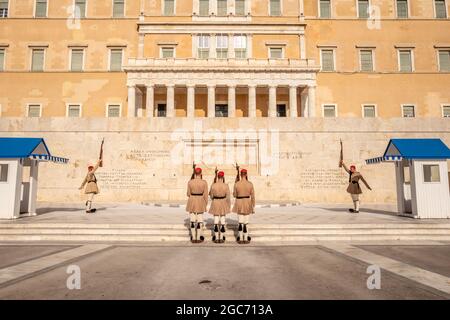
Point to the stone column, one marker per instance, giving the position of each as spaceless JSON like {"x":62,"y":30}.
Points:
{"x":311,"y":101}
{"x":190,"y":101}
{"x":170,"y":100}
{"x":211,"y":101}
{"x":232,"y":101}
{"x":293,"y":101}
{"x":150,"y":101}
{"x":302,"y":46}
{"x":252,"y":101}
{"x":131,"y":102}
{"x":304,"y":103}
{"x":272,"y":101}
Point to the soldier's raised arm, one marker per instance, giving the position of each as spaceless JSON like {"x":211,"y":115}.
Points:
{"x":345,"y":167}
{"x":96,"y":166}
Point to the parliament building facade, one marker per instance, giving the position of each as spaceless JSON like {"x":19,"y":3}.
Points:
{"x":225,"y":58}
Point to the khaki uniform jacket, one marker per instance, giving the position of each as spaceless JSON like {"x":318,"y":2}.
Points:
{"x":197,"y":191}
{"x":220,"y":207}
{"x":91,"y":182}
{"x":353,"y":185}
{"x":245,"y":206}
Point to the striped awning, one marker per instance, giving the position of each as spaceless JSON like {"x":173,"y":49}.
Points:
{"x":48,"y":158}
{"x":384,"y":159}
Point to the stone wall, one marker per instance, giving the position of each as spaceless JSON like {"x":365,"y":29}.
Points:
{"x":150,"y":159}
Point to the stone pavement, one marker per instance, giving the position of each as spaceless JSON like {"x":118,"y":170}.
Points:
{"x":121,"y":213}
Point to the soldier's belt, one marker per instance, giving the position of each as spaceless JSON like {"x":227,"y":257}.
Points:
{"x":196,"y":194}
{"x":244,"y":197}
{"x":219,"y":198}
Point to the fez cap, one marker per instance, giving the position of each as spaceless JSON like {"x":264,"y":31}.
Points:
{"x":352,"y":166}
{"x":198,"y":170}
{"x":244,"y":171}
{"x":220,"y":174}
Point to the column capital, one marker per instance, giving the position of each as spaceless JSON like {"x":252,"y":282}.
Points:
{"x":170,"y":85}
{"x":252,"y":85}
{"x":211,"y":86}
{"x":190,"y":85}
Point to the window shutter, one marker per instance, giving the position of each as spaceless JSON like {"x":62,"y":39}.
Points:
{"x":37,"y":63}
{"x":77,"y":60}
{"x":2,"y":60}
{"x":81,"y":4}
{"x":116,"y":60}
{"x":222,"y":7}
{"x":327,"y":60}
{"x":402,"y":8}
{"x":239,"y":7}
{"x":276,"y":53}
{"x":408,"y":112}
{"x":444,"y":60}
{"x":369,"y":111}
{"x":366,"y":60}
{"x":446,"y":111}
{"x":3,"y":8}
{"x":119,"y":9}
{"x":34,"y":111}
{"x":329,"y":111}
{"x":204,"y":8}
{"x":41,"y":8}
{"x":73,"y":111}
{"x":325,"y":8}
{"x":113,"y":111}
{"x":363,"y":9}
{"x":441,"y":11}
{"x":405,"y":61}
{"x":167,"y":53}
{"x":275,"y":7}
{"x":169,"y":7}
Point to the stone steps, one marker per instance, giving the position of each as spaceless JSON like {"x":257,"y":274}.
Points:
{"x":13,"y":232}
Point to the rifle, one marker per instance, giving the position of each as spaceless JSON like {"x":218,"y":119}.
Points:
{"x":193,"y":170}
{"x":342,"y":155}
{"x":215,"y":175}
{"x":101,"y":154}
{"x":237,"y":175}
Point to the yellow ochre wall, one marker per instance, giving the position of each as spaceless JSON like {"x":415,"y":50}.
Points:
{"x":348,"y":88}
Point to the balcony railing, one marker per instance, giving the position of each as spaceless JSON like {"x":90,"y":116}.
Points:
{"x":222,"y":64}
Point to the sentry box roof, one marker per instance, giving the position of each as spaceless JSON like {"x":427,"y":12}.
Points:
{"x":33,"y":148}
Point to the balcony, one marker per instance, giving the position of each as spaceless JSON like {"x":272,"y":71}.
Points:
{"x":234,"y":65}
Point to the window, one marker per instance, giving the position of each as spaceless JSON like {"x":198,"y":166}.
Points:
{"x":221,"y":110}
{"x":4,"y":8}
{"x":113,"y":111}
{"x":431,"y":173}
{"x":167,"y":52}
{"x":239,"y":7}
{"x":440,"y":9}
{"x":41,"y":9}
{"x":275,"y":53}
{"x":169,"y":7}
{"x":240,"y":46}
{"x":369,"y":111}
{"x":118,"y":8}
{"x":444,"y":60}
{"x":221,"y":46}
{"x":402,"y":9}
{"x":2,"y":60}
{"x":405,"y":60}
{"x":80,"y":8}
{"x":115,"y":63}
{"x":222,"y":7}
{"x":204,"y":8}
{"x":74,"y":110}
{"x":34,"y":110}
{"x":408,"y":111}
{"x":37,"y":59}
{"x":275,"y":7}
{"x":162,"y":110}
{"x":325,"y":9}
{"x":363,"y":9}
{"x":329,"y":111}
{"x":3,"y":172}
{"x":203,"y":46}
{"x":281,"y":110}
{"x":76,"y":60}
{"x":446,"y":111}
{"x":327,"y":57}
{"x":366,"y":60}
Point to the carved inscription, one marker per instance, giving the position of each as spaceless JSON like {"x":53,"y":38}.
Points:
{"x":323,"y":179}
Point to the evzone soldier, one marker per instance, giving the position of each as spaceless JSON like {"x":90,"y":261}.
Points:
{"x":244,"y":205}
{"x":197,"y":192}
{"x":220,"y":205}
{"x":353,"y":185}
{"x":90,"y":181}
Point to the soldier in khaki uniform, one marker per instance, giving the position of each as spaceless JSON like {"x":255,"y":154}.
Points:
{"x":197,"y":191}
{"x":353,"y":185}
{"x":220,"y":206}
{"x":90,"y":181}
{"x":244,"y":205}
